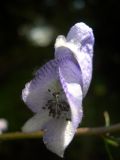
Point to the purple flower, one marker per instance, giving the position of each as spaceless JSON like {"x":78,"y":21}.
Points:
{"x":55,"y":94}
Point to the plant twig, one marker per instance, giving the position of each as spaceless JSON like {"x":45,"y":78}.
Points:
{"x":80,"y":131}
{"x":98,"y":130}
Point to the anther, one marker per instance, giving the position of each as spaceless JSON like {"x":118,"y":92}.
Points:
{"x":49,"y":90}
{"x":56,"y":107}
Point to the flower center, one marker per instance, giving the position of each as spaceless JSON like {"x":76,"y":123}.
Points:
{"x":57,"y":107}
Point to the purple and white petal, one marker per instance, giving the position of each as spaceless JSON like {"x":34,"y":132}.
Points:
{"x":37,"y":122}
{"x":78,"y":45}
{"x":36,"y":92}
{"x":85,"y":61}
{"x":70,"y":81}
{"x":64,"y":48}
{"x":71,"y":71}
{"x":58,"y":135}
{"x":60,"y":132}
{"x":82,"y":36}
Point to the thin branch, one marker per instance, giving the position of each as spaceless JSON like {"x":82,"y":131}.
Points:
{"x":20,"y":135}
{"x":98,"y":130}
{"x":80,"y":131}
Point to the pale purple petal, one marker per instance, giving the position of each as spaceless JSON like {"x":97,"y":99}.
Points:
{"x":78,"y":45}
{"x":62,"y":51}
{"x":58,"y":135}
{"x":70,"y":70}
{"x":37,"y":122}
{"x":36,"y":94}
{"x":82,"y":36}
{"x":60,"y":132}
{"x":72,"y":87}
{"x":63,"y":48}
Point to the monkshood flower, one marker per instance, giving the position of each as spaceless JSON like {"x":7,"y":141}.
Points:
{"x":55,"y":94}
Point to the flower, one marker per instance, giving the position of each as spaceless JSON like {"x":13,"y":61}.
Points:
{"x":55,"y":94}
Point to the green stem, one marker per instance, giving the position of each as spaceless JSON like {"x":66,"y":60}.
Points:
{"x":108,"y":150}
{"x":20,"y":135}
{"x":80,"y":131}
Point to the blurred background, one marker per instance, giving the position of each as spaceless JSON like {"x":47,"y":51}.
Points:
{"x":28,"y":29}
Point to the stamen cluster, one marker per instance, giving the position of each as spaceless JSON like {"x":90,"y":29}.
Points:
{"x":56,"y":106}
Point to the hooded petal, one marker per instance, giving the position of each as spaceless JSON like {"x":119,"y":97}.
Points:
{"x":58,"y":135}
{"x":70,"y":80}
{"x":82,"y":36}
{"x":36,"y":92}
{"x":78,"y":45}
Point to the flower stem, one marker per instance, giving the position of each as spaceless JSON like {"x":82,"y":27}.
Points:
{"x":98,"y":130}
{"x":20,"y":135}
{"x":80,"y":131}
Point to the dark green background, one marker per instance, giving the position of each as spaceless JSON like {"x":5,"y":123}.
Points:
{"x":19,"y":58}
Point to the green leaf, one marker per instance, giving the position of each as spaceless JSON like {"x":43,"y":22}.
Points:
{"x":112,"y":142}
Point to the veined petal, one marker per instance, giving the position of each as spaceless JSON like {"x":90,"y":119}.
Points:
{"x":71,"y":70}
{"x":72,"y":89}
{"x":36,"y":92}
{"x":82,"y":36}
{"x":37,"y":122}
{"x":78,"y":45}
{"x":60,"y":132}
{"x":58,"y":135}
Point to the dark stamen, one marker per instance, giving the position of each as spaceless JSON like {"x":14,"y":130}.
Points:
{"x":49,"y":90}
{"x":57,"y":107}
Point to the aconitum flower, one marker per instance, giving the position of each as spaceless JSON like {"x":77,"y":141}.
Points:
{"x":55,"y":94}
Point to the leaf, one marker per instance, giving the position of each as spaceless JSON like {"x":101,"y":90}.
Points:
{"x":112,"y":142}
